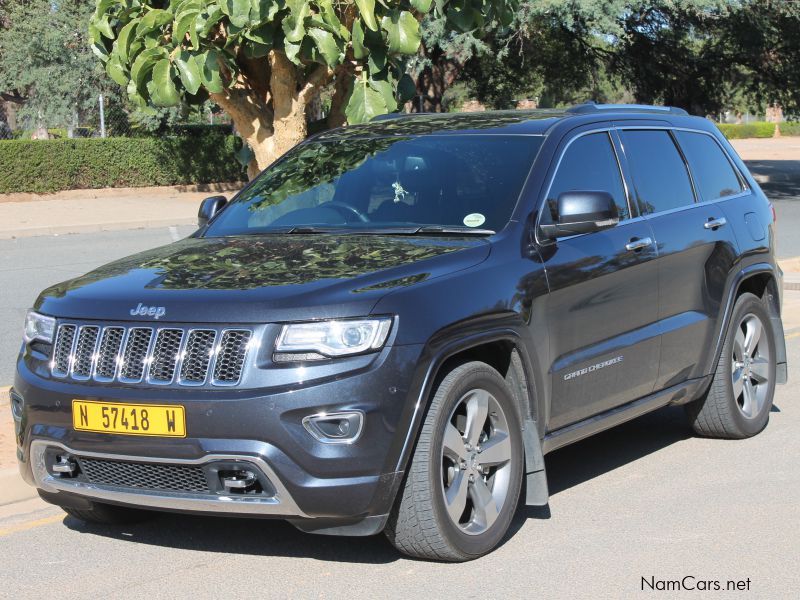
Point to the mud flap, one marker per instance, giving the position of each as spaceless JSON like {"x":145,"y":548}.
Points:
{"x":536,"y":492}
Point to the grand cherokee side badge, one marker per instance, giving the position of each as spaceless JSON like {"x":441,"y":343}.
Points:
{"x":592,"y":368}
{"x":149,"y":311}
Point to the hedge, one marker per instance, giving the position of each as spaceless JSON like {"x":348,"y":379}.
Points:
{"x":790,"y":128}
{"x":53,"y":165}
{"x":758,"y":129}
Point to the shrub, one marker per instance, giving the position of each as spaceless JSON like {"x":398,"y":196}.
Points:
{"x":790,"y":128}
{"x":53,"y":165}
{"x":758,"y":129}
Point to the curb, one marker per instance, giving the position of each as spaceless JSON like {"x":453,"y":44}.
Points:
{"x":93,"y":228}
{"x":13,"y":488}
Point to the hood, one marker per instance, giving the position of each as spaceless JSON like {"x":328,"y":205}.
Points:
{"x":253,"y":279}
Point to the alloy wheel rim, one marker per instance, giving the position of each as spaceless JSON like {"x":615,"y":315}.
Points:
{"x":750,"y":366}
{"x":476,"y":462}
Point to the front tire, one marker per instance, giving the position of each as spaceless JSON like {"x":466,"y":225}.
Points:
{"x":739,"y":400}
{"x":462,"y":488}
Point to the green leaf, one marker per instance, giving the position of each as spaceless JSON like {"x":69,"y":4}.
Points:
{"x":116,"y":71}
{"x":364,"y":103}
{"x":163,"y":91}
{"x":239,"y":12}
{"x":294,"y":23}
{"x":387,"y":91}
{"x":406,"y":88}
{"x":123,"y":43}
{"x":210,"y":75}
{"x":422,"y":6}
{"x":184,"y":23}
{"x":402,"y":31}
{"x":265,"y":34}
{"x":367,"y":10}
{"x":104,"y":27}
{"x":359,"y":49}
{"x":326,"y":43}
{"x":154,"y":19}
{"x":188,"y":71}
{"x":144,"y":63}
{"x":330,"y":17}
{"x":207,"y":21}
{"x":376,"y":62}
{"x":292,"y":51}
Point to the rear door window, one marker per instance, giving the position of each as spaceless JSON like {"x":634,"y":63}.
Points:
{"x":588,"y":164}
{"x":713,"y":174}
{"x":659,"y":173}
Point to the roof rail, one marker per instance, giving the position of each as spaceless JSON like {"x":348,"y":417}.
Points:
{"x":400,"y":115}
{"x":591,"y":107}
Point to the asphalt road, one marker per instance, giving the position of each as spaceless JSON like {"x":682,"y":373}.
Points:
{"x":644,"y":500}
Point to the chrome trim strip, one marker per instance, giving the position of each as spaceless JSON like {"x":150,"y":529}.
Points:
{"x":213,"y":365}
{"x":151,"y":356}
{"x":92,"y":358}
{"x":746,"y":190}
{"x":189,"y":333}
{"x":147,"y":355}
{"x":281,"y":504}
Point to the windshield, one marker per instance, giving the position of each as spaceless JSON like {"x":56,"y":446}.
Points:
{"x":464,"y":183}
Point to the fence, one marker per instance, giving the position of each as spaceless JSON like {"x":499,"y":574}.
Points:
{"x":110,"y":117}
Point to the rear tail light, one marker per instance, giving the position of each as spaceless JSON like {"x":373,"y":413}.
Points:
{"x":774,"y":216}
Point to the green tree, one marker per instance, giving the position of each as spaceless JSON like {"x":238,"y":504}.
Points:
{"x":263,"y":61}
{"x":45,"y":62}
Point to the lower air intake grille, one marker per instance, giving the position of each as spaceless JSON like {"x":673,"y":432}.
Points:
{"x":146,"y":476}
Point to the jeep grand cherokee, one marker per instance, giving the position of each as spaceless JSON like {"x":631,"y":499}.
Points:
{"x":390,"y":327}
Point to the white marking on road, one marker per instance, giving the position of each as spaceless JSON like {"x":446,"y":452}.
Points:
{"x":173,"y":231}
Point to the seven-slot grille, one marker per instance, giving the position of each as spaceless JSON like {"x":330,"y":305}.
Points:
{"x":154,"y":356}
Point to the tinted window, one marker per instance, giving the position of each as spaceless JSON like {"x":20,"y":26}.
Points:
{"x":589,"y":164}
{"x":659,"y":172}
{"x":713,"y":174}
{"x":380,"y":183}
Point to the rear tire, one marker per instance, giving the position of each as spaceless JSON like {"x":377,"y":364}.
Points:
{"x":107,"y":514}
{"x":462,"y":488}
{"x":739,"y":400}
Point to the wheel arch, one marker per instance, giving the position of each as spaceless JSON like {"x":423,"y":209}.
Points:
{"x":764,"y":281}
{"x":504,"y":350}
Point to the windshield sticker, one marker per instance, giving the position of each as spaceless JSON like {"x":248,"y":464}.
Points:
{"x":474,"y":220}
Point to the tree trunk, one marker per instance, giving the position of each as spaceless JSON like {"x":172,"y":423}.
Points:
{"x":272,"y":120}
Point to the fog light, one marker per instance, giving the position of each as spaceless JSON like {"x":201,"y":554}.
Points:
{"x":17,"y":404}
{"x":335,"y":428}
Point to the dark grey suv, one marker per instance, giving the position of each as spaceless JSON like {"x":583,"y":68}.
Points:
{"x":390,"y":327}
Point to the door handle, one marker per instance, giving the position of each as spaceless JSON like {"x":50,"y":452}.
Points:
{"x":638,"y":244}
{"x":715,"y":223}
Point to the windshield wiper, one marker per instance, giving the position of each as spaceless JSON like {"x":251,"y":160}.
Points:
{"x":409,"y":230}
{"x":452,"y":230}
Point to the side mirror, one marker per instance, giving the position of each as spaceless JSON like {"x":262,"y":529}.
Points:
{"x":582,"y":212}
{"x":210,"y":207}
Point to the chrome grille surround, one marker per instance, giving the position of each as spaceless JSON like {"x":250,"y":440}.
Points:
{"x":145,"y":355}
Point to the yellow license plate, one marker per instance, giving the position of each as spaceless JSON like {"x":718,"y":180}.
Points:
{"x":166,"y":420}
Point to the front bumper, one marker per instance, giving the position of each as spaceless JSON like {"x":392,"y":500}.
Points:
{"x":328,"y":487}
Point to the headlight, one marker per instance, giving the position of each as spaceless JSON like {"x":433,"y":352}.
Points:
{"x":39,"y":327}
{"x":310,"y":341}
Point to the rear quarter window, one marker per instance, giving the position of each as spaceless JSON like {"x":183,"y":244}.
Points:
{"x":713,"y":173}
